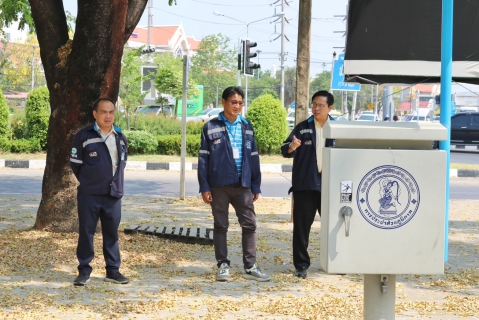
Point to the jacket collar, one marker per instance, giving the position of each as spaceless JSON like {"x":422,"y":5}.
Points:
{"x":311,"y":119}
{"x":222,"y":117}
{"x":115,"y":128}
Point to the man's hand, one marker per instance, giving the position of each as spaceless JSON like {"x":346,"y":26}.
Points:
{"x":255,"y":196}
{"x":296,"y":143}
{"x":207,"y":197}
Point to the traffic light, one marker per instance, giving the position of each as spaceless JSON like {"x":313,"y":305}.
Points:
{"x":148,"y":50}
{"x":248,"y":65}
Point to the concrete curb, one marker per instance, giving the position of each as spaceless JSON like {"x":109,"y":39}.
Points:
{"x":175,"y":166}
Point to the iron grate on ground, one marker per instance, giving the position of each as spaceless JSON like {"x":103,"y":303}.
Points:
{"x":201,"y":235}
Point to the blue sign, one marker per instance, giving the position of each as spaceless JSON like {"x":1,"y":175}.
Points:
{"x":337,"y":78}
{"x":293,"y":105}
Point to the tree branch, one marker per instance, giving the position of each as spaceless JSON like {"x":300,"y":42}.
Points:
{"x":52,"y":32}
{"x":133,"y":15}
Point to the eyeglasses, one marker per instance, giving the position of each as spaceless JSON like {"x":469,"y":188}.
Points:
{"x":319,"y":106}
{"x":235,"y":102}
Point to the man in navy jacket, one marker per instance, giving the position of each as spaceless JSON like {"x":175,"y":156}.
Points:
{"x":229,"y":172}
{"x":305,"y":144}
{"x":98,"y":159}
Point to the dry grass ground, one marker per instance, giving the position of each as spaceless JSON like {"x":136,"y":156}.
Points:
{"x":175,"y":280}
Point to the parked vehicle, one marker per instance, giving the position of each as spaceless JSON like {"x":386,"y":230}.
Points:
{"x":368,"y":117}
{"x":209,"y":114}
{"x":465,"y":128}
{"x":290,"y":118}
{"x":154,"y":109}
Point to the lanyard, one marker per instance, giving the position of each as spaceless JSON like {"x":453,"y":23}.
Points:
{"x":233,"y":135}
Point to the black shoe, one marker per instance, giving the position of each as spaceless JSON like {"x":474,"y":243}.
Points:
{"x":116,"y":278}
{"x":301,"y":273}
{"x":81,"y":280}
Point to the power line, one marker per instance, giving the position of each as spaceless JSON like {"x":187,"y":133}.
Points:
{"x":232,"y":5}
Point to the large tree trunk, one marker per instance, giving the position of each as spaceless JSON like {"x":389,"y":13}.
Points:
{"x":77,"y":71}
{"x":303,"y":61}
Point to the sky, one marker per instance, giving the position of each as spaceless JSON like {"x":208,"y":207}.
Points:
{"x":199,"y":21}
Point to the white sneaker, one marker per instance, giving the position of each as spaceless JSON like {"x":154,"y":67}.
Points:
{"x":223,"y":272}
{"x":255,"y":273}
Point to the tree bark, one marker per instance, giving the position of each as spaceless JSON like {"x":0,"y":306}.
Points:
{"x":303,"y":60}
{"x":78,"y":72}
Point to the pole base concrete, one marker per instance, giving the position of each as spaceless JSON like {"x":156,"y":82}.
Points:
{"x":379,"y":297}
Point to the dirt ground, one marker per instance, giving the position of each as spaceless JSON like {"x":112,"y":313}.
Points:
{"x":172,"y":280}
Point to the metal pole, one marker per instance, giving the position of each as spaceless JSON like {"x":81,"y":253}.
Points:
{"x":239,"y":63}
{"x":446,"y":80}
{"x":282,"y":54}
{"x":33,"y":69}
{"x":149,"y":24}
{"x":216,"y":106}
{"x":379,"y":297}
{"x":183,"y":127}
{"x":376,"y":100}
{"x":353,"y":109}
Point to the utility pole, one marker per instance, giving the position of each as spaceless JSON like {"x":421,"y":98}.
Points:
{"x":303,"y":61}
{"x":149,"y":24}
{"x":282,"y":54}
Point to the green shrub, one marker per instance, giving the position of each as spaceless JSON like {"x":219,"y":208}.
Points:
{"x":20,"y":145}
{"x":141,"y":142}
{"x":4,"y":117}
{"x":5,"y":144}
{"x":156,"y":125}
{"x":171,"y":145}
{"x":37,"y":112}
{"x":194,"y":127}
{"x":268,"y":119}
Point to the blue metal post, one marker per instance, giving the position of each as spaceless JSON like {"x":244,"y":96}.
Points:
{"x":446,"y":80}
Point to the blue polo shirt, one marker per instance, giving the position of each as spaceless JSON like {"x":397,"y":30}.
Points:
{"x":235,"y":134}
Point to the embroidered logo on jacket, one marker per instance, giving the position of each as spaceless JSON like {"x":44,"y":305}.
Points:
{"x":216,"y":141}
{"x":248,"y":144}
{"x":93,"y":154}
{"x":308,"y":142}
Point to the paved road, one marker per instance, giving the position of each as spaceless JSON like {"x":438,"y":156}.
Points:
{"x":166,"y":183}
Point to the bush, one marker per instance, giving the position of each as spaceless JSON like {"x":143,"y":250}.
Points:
{"x":20,"y":145}
{"x":171,"y":145}
{"x":194,"y":127}
{"x":141,"y":142}
{"x":4,"y":117}
{"x":268,"y":119}
{"x":38,"y":113}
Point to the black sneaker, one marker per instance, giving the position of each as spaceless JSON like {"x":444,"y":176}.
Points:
{"x":116,"y":278}
{"x":81,"y":280}
{"x":301,"y":273}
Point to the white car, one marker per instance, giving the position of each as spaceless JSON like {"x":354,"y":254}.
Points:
{"x":209,"y":114}
{"x":290,"y":118}
{"x":368,"y":117}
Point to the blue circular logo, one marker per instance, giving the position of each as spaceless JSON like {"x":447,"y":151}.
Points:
{"x":388,"y":197}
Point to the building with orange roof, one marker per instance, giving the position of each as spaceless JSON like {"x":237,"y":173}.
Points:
{"x":165,"y":39}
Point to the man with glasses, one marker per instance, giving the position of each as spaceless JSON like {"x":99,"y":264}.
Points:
{"x":305,"y":144}
{"x":229,"y":172}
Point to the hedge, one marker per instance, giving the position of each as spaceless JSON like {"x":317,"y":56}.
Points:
{"x":20,"y":145}
{"x":171,"y":145}
{"x":37,"y":112}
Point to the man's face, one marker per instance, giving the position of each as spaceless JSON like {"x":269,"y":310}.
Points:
{"x":105,"y":114}
{"x":232,"y":106}
{"x":320,"y":108}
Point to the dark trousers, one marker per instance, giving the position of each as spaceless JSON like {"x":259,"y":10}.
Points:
{"x":242,"y":201}
{"x":92,"y":207}
{"x":306,"y":204}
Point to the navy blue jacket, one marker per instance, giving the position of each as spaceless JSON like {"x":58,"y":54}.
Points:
{"x":90,"y":161}
{"x":216,"y":165}
{"x":305,"y":167}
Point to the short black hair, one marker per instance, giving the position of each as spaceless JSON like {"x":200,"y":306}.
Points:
{"x":324,"y":93}
{"x":97,"y":101}
{"x":228,"y":92}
